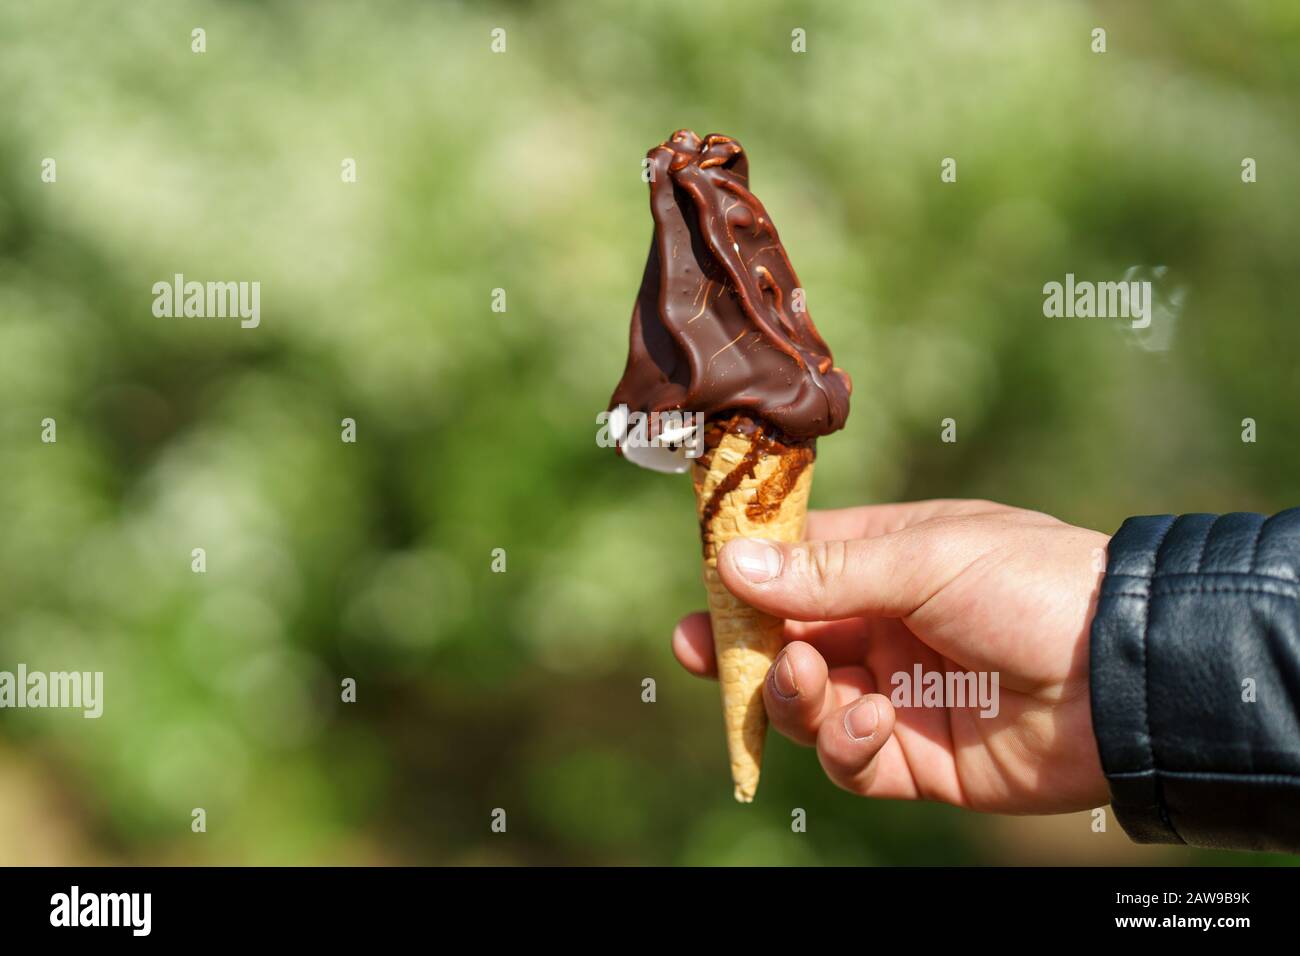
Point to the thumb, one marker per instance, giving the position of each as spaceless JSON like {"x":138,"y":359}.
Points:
{"x":887,"y":576}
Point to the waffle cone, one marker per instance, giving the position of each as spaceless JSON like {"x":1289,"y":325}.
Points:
{"x":751,"y":484}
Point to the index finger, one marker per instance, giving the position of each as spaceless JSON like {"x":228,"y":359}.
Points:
{"x":841,"y":643}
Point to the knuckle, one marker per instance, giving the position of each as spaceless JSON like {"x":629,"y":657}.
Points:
{"x":827,"y":561}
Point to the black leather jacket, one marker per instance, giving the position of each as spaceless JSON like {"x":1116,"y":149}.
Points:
{"x":1196,"y":679}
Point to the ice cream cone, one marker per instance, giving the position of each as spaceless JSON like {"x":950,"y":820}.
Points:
{"x":752,"y":483}
{"x":720,"y":324}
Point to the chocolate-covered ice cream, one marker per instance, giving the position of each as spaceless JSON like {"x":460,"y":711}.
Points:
{"x":720,"y":323}
{"x":726,"y":377}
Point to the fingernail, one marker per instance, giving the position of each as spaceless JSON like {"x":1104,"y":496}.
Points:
{"x":783,"y":677}
{"x":861,"y":721}
{"x":757,"y":560}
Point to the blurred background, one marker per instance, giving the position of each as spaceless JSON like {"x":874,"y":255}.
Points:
{"x":475,"y":429}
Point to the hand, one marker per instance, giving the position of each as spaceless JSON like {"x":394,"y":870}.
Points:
{"x":954,"y":586}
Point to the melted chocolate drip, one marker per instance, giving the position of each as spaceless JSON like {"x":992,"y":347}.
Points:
{"x":794,"y":456}
{"x":715,"y":328}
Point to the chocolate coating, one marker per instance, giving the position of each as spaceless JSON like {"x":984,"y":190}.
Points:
{"x":715,"y":328}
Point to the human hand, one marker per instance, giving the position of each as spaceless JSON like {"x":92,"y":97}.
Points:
{"x":952,"y":585}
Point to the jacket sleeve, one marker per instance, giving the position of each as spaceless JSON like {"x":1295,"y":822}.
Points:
{"x":1195,"y":679}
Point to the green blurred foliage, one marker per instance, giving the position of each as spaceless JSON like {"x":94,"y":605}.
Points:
{"x":522,"y":171}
